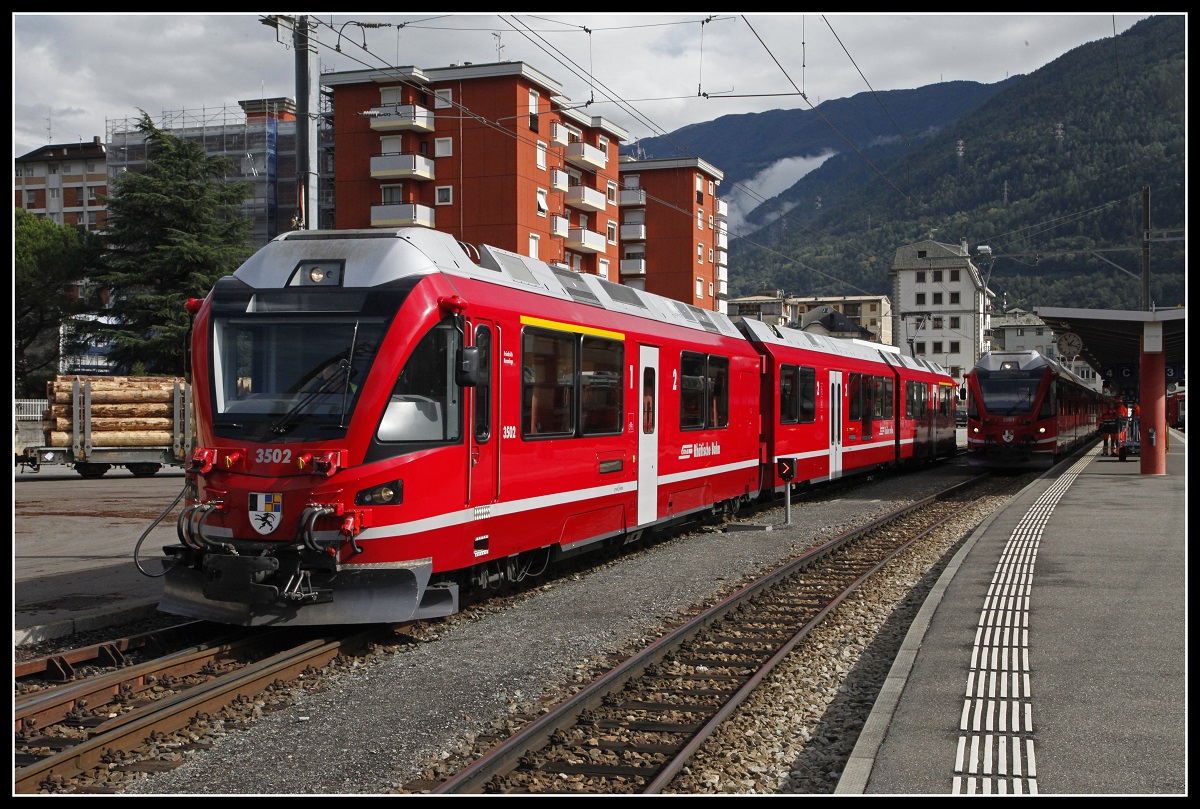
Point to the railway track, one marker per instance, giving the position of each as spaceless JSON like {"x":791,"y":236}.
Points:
{"x":99,"y":723}
{"x":62,"y":732}
{"x":635,"y":728}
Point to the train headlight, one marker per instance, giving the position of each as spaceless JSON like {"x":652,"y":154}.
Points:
{"x":1041,"y":430}
{"x":385,"y":494}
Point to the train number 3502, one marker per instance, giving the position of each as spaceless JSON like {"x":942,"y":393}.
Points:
{"x":273,"y":455}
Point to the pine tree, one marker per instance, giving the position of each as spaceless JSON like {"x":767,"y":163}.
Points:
{"x":172,"y":232}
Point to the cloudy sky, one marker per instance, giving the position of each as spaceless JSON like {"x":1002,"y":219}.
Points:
{"x":74,"y":74}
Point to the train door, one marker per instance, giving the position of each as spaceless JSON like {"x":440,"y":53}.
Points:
{"x":837,"y":411}
{"x":648,"y":395}
{"x":484,"y":465}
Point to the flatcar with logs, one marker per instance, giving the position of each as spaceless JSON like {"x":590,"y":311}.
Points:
{"x":388,"y":419}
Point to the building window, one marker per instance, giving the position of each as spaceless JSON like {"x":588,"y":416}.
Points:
{"x":53,"y":193}
{"x":602,"y":268}
{"x":954,"y":275}
{"x":1040,"y":331}
{"x":700,"y":220}
{"x":920,"y":348}
{"x":937,"y":276}
{"x":699,"y":184}
{"x":533,"y":102}
{"x":955,"y":322}
{"x":711,"y":189}
{"x":937,"y":346}
{"x":920,"y":299}
{"x":30,"y":199}
{"x":954,"y":346}
{"x":91,"y":192}
{"x":922,"y":253}
{"x":710,"y":255}
{"x":444,"y":195}
{"x":954,"y":297}
{"x":443,"y":147}
{"x":534,"y":245}
{"x":612,"y":193}
{"x":937,"y":323}
{"x":392,"y":194}
{"x":541,"y":155}
{"x":612,"y":232}
{"x":710,"y":222}
{"x":443,"y":99}
{"x":710,"y":289}
{"x":53,"y":168}
{"x":1020,"y":332}
{"x":937,"y":299}
{"x":700,"y":288}
{"x":543,"y":205}
{"x":699,"y":254}
{"x":920,"y":276}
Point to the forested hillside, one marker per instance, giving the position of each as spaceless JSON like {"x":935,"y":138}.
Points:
{"x":1049,"y":171}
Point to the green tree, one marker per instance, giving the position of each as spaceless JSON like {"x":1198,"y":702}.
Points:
{"x":172,"y":232}
{"x":49,"y":263}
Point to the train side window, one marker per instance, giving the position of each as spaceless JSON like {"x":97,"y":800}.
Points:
{"x":854,"y":395}
{"x":718,"y":392}
{"x":483,"y":388}
{"x":808,"y":395}
{"x":600,"y":386}
{"x":885,"y":399}
{"x":691,"y":391}
{"x":789,"y":394}
{"x":548,"y":384}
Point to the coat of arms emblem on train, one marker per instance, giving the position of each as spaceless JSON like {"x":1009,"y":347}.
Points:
{"x":1008,"y":436}
{"x":266,"y":509}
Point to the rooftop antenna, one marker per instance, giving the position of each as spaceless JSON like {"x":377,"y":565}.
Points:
{"x":499,"y":47}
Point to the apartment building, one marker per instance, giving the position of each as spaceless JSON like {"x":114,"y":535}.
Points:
{"x":490,"y":153}
{"x":942,"y":305}
{"x":64,"y":182}
{"x":674,"y":234}
{"x":864,"y":317}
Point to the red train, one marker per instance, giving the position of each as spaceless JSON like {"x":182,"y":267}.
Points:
{"x":387,"y":418}
{"x":1176,"y":407}
{"x":1026,"y":411}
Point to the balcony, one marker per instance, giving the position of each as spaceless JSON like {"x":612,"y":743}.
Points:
{"x":559,"y":135}
{"x":722,"y":273}
{"x":559,"y":225}
{"x":401,"y":117}
{"x":633,"y":232}
{"x":585,"y":241}
{"x":722,"y":211}
{"x":401,"y":215}
{"x":722,"y":258}
{"x":559,"y":180}
{"x":405,"y":165}
{"x":586,"y":156}
{"x":632,"y":196}
{"x":633,"y":266}
{"x":721,"y":240}
{"x":587,"y":199}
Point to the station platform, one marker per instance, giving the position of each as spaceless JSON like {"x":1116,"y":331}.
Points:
{"x":1051,"y":657}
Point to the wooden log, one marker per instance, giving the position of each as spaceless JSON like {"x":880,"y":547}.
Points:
{"x":101,"y":425}
{"x":115,"y":388}
{"x":119,"y":410}
{"x":132,"y":438}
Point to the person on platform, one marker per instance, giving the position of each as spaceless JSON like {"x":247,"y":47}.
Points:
{"x":1112,"y":427}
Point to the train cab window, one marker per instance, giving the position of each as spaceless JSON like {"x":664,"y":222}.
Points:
{"x":483,"y":388}
{"x":425,"y":405}
{"x":703,"y":391}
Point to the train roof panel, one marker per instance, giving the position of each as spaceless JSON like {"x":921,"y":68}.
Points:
{"x":795,"y":338}
{"x":1024,"y":361}
{"x":369,"y":258}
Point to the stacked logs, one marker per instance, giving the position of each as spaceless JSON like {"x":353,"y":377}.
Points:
{"x":127,"y":411}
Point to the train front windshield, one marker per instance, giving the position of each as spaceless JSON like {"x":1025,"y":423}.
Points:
{"x":1008,"y":393}
{"x":290,"y":366}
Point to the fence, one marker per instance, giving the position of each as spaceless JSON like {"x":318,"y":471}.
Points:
{"x":29,"y":409}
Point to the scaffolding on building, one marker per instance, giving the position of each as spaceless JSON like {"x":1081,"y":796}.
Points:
{"x":258,"y":137}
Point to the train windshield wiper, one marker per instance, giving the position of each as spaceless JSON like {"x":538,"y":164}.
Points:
{"x":338,"y":380}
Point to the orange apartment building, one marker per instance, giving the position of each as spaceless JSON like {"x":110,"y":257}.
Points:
{"x":495,"y":154}
{"x":674,"y":237}
{"x":491,"y":153}
{"x":64,"y":182}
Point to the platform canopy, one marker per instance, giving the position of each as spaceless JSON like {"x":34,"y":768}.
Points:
{"x":1112,"y":338}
